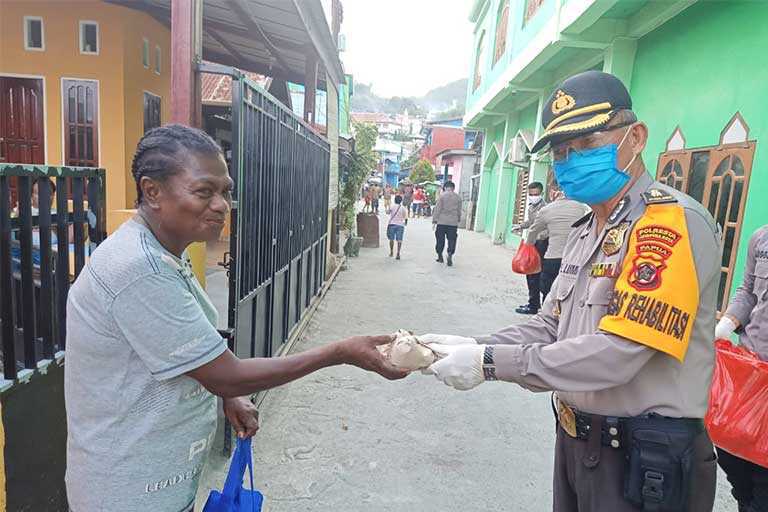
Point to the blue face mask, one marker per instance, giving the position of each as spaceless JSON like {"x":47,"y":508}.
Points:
{"x":591,"y":176}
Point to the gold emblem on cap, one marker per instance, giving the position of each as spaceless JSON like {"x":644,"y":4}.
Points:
{"x":562,"y":102}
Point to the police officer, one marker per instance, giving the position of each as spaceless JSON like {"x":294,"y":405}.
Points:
{"x":625,"y":337}
{"x":747,"y":314}
{"x":535,"y":204}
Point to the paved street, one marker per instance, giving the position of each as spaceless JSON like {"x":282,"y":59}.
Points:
{"x":347,"y":441}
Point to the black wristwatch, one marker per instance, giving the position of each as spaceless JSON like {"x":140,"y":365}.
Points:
{"x":489,"y":366}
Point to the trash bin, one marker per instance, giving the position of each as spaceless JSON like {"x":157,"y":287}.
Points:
{"x":368,"y":229}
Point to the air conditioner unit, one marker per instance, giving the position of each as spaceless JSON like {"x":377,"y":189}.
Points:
{"x":518,"y":153}
{"x":519,"y":149}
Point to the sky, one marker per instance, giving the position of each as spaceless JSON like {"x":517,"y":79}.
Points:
{"x":407,"y":47}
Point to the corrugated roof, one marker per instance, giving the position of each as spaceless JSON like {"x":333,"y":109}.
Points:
{"x":217,"y":89}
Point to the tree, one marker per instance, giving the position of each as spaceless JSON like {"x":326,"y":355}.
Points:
{"x":363,"y":160}
{"x":422,"y":171}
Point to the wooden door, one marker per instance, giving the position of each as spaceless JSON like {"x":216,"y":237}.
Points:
{"x":21,"y":121}
{"x":521,"y":196}
{"x":22,"y":128}
{"x":725,"y":196}
{"x":81,"y":123}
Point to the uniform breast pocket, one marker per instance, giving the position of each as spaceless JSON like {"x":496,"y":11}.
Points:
{"x":565,"y":286}
{"x":600,"y":294}
{"x":761,"y":278}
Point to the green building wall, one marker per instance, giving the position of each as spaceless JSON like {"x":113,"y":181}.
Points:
{"x":697,"y":71}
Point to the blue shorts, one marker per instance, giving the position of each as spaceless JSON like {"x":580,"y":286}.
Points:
{"x":395,"y":232}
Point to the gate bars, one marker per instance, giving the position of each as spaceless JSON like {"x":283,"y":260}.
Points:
{"x":35,"y":252}
{"x":278,"y":239}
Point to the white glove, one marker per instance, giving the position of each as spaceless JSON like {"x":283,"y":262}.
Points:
{"x":446,"y":339}
{"x":724,"y":328}
{"x":459,"y":366}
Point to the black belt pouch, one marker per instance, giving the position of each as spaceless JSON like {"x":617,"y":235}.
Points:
{"x":659,"y":461}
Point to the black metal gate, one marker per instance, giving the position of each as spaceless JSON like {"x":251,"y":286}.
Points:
{"x":279,"y":219}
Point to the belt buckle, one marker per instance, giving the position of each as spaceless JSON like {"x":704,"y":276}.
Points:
{"x":566,"y":417}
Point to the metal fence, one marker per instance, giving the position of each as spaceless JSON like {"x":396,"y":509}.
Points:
{"x":42,"y":250}
{"x":278,"y":238}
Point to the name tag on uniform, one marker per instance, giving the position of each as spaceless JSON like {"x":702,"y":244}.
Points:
{"x":604,"y":270}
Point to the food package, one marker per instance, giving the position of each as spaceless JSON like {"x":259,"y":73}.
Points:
{"x":737,"y":419}
{"x":407,"y":352}
{"x":526,"y":260}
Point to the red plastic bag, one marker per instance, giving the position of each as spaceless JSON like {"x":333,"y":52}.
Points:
{"x":526,"y":259}
{"x":737,"y":419}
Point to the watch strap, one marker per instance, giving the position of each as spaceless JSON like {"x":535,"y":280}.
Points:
{"x":489,"y":365}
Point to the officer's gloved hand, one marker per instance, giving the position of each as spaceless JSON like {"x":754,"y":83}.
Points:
{"x":725,"y":327}
{"x":458,"y":366}
{"x":446,"y":339}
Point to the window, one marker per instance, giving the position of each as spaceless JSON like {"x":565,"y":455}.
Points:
{"x":501,"y":32}
{"x":81,"y":122}
{"x":34,"y":38}
{"x":145,"y":53}
{"x":531,"y":8}
{"x":158,"y":53}
{"x":151,"y":111}
{"x":717,"y":177}
{"x":479,"y":58}
{"x":89,"y":37}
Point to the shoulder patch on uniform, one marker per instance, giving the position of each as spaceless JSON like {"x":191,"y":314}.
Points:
{"x":582,"y":220}
{"x":658,"y":196}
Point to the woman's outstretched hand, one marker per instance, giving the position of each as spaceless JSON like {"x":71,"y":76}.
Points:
{"x":362,"y":351}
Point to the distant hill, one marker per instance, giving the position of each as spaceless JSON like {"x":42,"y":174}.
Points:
{"x":445,"y":97}
{"x":449,"y":97}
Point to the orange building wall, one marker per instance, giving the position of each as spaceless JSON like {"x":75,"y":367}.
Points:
{"x":118,"y":68}
{"x":138,"y":79}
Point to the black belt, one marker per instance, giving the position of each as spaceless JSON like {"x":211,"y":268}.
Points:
{"x":612,"y":428}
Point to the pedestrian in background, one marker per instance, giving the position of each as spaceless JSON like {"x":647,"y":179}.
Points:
{"x":398,"y":218}
{"x":535,"y":203}
{"x":418,"y":201}
{"x":366,"y":198}
{"x":407,"y":198}
{"x":446,"y":218}
{"x":387,"y":195}
{"x":373,"y":190}
{"x":747,"y":315}
{"x":557,"y":219}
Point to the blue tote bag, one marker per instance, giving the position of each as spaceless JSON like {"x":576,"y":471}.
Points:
{"x":234,"y":497}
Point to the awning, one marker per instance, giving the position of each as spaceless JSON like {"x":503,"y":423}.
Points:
{"x":270,"y":37}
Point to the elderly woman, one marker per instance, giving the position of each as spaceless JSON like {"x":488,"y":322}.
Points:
{"x":144,"y":359}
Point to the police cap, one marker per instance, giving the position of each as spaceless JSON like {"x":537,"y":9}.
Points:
{"x":582,"y":104}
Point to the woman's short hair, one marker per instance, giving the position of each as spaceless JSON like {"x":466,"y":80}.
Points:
{"x":398,"y":199}
{"x":160,"y":152}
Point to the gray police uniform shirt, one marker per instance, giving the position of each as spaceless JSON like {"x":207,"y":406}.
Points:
{"x":750,"y":303}
{"x":556,"y":219}
{"x":562,"y":349}
{"x":448,"y":209}
{"x":533,"y":210}
{"x":139,"y":428}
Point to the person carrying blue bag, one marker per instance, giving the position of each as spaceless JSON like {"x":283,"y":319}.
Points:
{"x":144,"y":359}
{"x":234,"y":497}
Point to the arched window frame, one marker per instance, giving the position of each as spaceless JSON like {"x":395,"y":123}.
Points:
{"x":502,"y":26}
{"x":479,"y":54}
